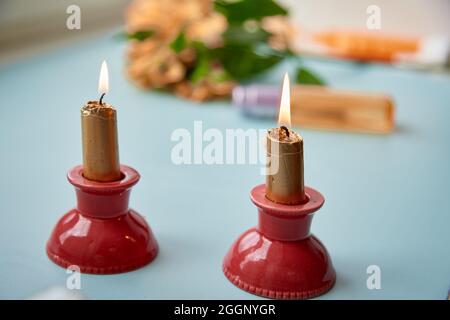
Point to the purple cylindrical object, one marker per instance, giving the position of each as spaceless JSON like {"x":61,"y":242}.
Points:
{"x":257,"y":100}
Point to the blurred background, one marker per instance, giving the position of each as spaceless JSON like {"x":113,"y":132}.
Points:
{"x":28,"y":27}
{"x":375,"y":185}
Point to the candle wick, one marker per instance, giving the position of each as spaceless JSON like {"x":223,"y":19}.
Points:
{"x":101,"y":98}
{"x":286,"y":130}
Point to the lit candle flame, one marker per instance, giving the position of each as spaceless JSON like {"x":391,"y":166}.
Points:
{"x":284,"y":117}
{"x":103,"y":81}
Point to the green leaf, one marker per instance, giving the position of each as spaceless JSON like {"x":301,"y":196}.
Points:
{"x":305,"y":76}
{"x":242,"y":10}
{"x":242,"y":61}
{"x":200,"y":71}
{"x":179,"y":43}
{"x":203,"y":62}
{"x":219,"y":75}
{"x":238,"y":33}
{"x":138,"y":35}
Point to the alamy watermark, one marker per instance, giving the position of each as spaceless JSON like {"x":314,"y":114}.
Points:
{"x":215,"y":147}
{"x":73,"y":21}
{"x":373,"y":282}
{"x":373,"y":21}
{"x":73,"y":281}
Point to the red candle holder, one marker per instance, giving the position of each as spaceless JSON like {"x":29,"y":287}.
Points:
{"x":279,"y":258}
{"x":102,"y":235}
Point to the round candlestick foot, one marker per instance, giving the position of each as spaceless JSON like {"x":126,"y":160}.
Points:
{"x":279,"y":258}
{"x":102,"y":235}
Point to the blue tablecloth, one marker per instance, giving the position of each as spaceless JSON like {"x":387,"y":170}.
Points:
{"x":387,"y":197}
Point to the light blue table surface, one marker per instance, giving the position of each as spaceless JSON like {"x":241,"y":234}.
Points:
{"x":387,"y":197}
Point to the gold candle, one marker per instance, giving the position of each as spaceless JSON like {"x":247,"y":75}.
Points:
{"x":99,"y":136}
{"x":285,"y":176}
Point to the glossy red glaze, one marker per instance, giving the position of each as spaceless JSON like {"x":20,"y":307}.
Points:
{"x":279,"y":258}
{"x":102,"y":235}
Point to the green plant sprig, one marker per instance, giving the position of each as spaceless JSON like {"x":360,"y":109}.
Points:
{"x":245,"y":52}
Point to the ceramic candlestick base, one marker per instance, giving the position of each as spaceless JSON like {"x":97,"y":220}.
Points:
{"x":102,"y":235}
{"x":279,"y":258}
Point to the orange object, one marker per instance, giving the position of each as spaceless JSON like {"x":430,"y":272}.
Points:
{"x":322,"y":107}
{"x":366,"y":46}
